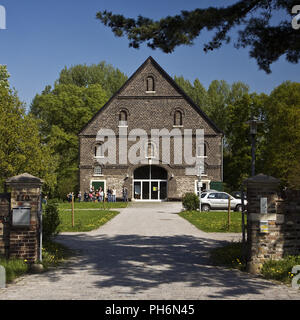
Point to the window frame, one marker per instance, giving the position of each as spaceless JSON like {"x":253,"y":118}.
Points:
{"x":96,"y":155}
{"x":97,"y":174}
{"x":123,"y":123}
{"x":180,"y":119}
{"x":148,"y":87}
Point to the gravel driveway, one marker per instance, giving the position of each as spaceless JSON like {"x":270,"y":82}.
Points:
{"x":145,"y":252}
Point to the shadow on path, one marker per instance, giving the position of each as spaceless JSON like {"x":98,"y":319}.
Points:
{"x":140,"y":263}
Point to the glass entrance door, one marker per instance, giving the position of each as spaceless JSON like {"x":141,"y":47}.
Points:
{"x":150,"y":190}
{"x":163,"y":190}
{"x":154,"y":190}
{"x":146,"y":190}
{"x":137,"y":190}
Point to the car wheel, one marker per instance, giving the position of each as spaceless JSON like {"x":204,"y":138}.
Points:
{"x":238,"y":208}
{"x":205,"y":208}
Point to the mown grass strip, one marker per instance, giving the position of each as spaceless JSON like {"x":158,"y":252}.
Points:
{"x":214,"y":221}
{"x":85,"y":220}
{"x":93,"y":205}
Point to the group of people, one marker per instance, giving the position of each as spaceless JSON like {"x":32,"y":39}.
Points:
{"x":99,"y":195}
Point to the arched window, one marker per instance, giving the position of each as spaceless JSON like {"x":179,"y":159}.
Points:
{"x":150,"y":84}
{"x":98,"y":151}
{"x":123,"y":118}
{"x":177,"y":118}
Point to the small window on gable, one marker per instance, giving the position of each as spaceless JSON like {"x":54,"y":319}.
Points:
{"x":123,"y":118}
{"x":98,"y":151}
{"x":150,"y":84}
{"x":177,"y":118}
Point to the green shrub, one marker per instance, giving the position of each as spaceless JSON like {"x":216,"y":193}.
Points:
{"x":51,"y":220}
{"x":190,"y":201}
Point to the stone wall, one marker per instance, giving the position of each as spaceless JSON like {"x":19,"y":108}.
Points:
{"x":274,"y":234}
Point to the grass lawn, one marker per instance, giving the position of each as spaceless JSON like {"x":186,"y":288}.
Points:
{"x":84,"y":220}
{"x":53,"y":255}
{"x":230,"y":256}
{"x":93,"y":205}
{"x":14,"y":268}
{"x":214,"y":221}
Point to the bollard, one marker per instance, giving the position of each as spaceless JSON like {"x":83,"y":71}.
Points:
{"x":2,"y":277}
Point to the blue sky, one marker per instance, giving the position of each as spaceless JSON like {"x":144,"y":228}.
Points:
{"x":44,"y":36}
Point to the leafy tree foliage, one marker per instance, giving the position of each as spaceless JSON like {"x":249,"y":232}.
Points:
{"x":267,"y":42}
{"x":282,"y":145}
{"x":237,"y":149}
{"x":277,"y":140}
{"x":110,"y":78}
{"x":79,"y":92}
{"x":21,"y":148}
{"x":63,"y":112}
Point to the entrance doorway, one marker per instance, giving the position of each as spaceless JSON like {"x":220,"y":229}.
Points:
{"x":150,"y":183}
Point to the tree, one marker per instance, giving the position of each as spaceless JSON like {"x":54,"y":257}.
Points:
{"x":63,"y":112}
{"x":21,"y":148}
{"x":218,"y":93}
{"x":267,"y":42}
{"x":195,"y":91}
{"x":282,"y":145}
{"x":110,"y":78}
{"x":237,"y":149}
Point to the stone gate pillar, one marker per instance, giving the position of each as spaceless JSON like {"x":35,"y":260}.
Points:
{"x":25,"y":225}
{"x":262,"y":220}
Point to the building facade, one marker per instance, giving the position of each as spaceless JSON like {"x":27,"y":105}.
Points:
{"x":119,"y":146}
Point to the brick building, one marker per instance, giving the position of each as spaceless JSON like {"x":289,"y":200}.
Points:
{"x":150,"y":99}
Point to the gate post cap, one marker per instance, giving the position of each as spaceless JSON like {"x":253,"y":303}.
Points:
{"x":25,"y":178}
{"x":262,"y":178}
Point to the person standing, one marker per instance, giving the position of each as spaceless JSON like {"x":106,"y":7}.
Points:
{"x":69,"y":197}
{"x":101,"y":195}
{"x":125,"y":194}
{"x":108,"y":195}
{"x":86,"y":197}
{"x":114,"y":194}
{"x":79,"y":196}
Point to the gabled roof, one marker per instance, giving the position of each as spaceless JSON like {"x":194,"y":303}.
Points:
{"x":171,"y":81}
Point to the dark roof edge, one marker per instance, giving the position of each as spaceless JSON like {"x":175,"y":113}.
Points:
{"x":181,"y":91}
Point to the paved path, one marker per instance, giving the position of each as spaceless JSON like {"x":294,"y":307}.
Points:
{"x":145,"y":252}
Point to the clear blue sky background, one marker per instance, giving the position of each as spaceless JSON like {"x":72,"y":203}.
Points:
{"x":44,"y":36}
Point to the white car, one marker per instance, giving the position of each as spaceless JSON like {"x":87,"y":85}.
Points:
{"x":219,"y":201}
